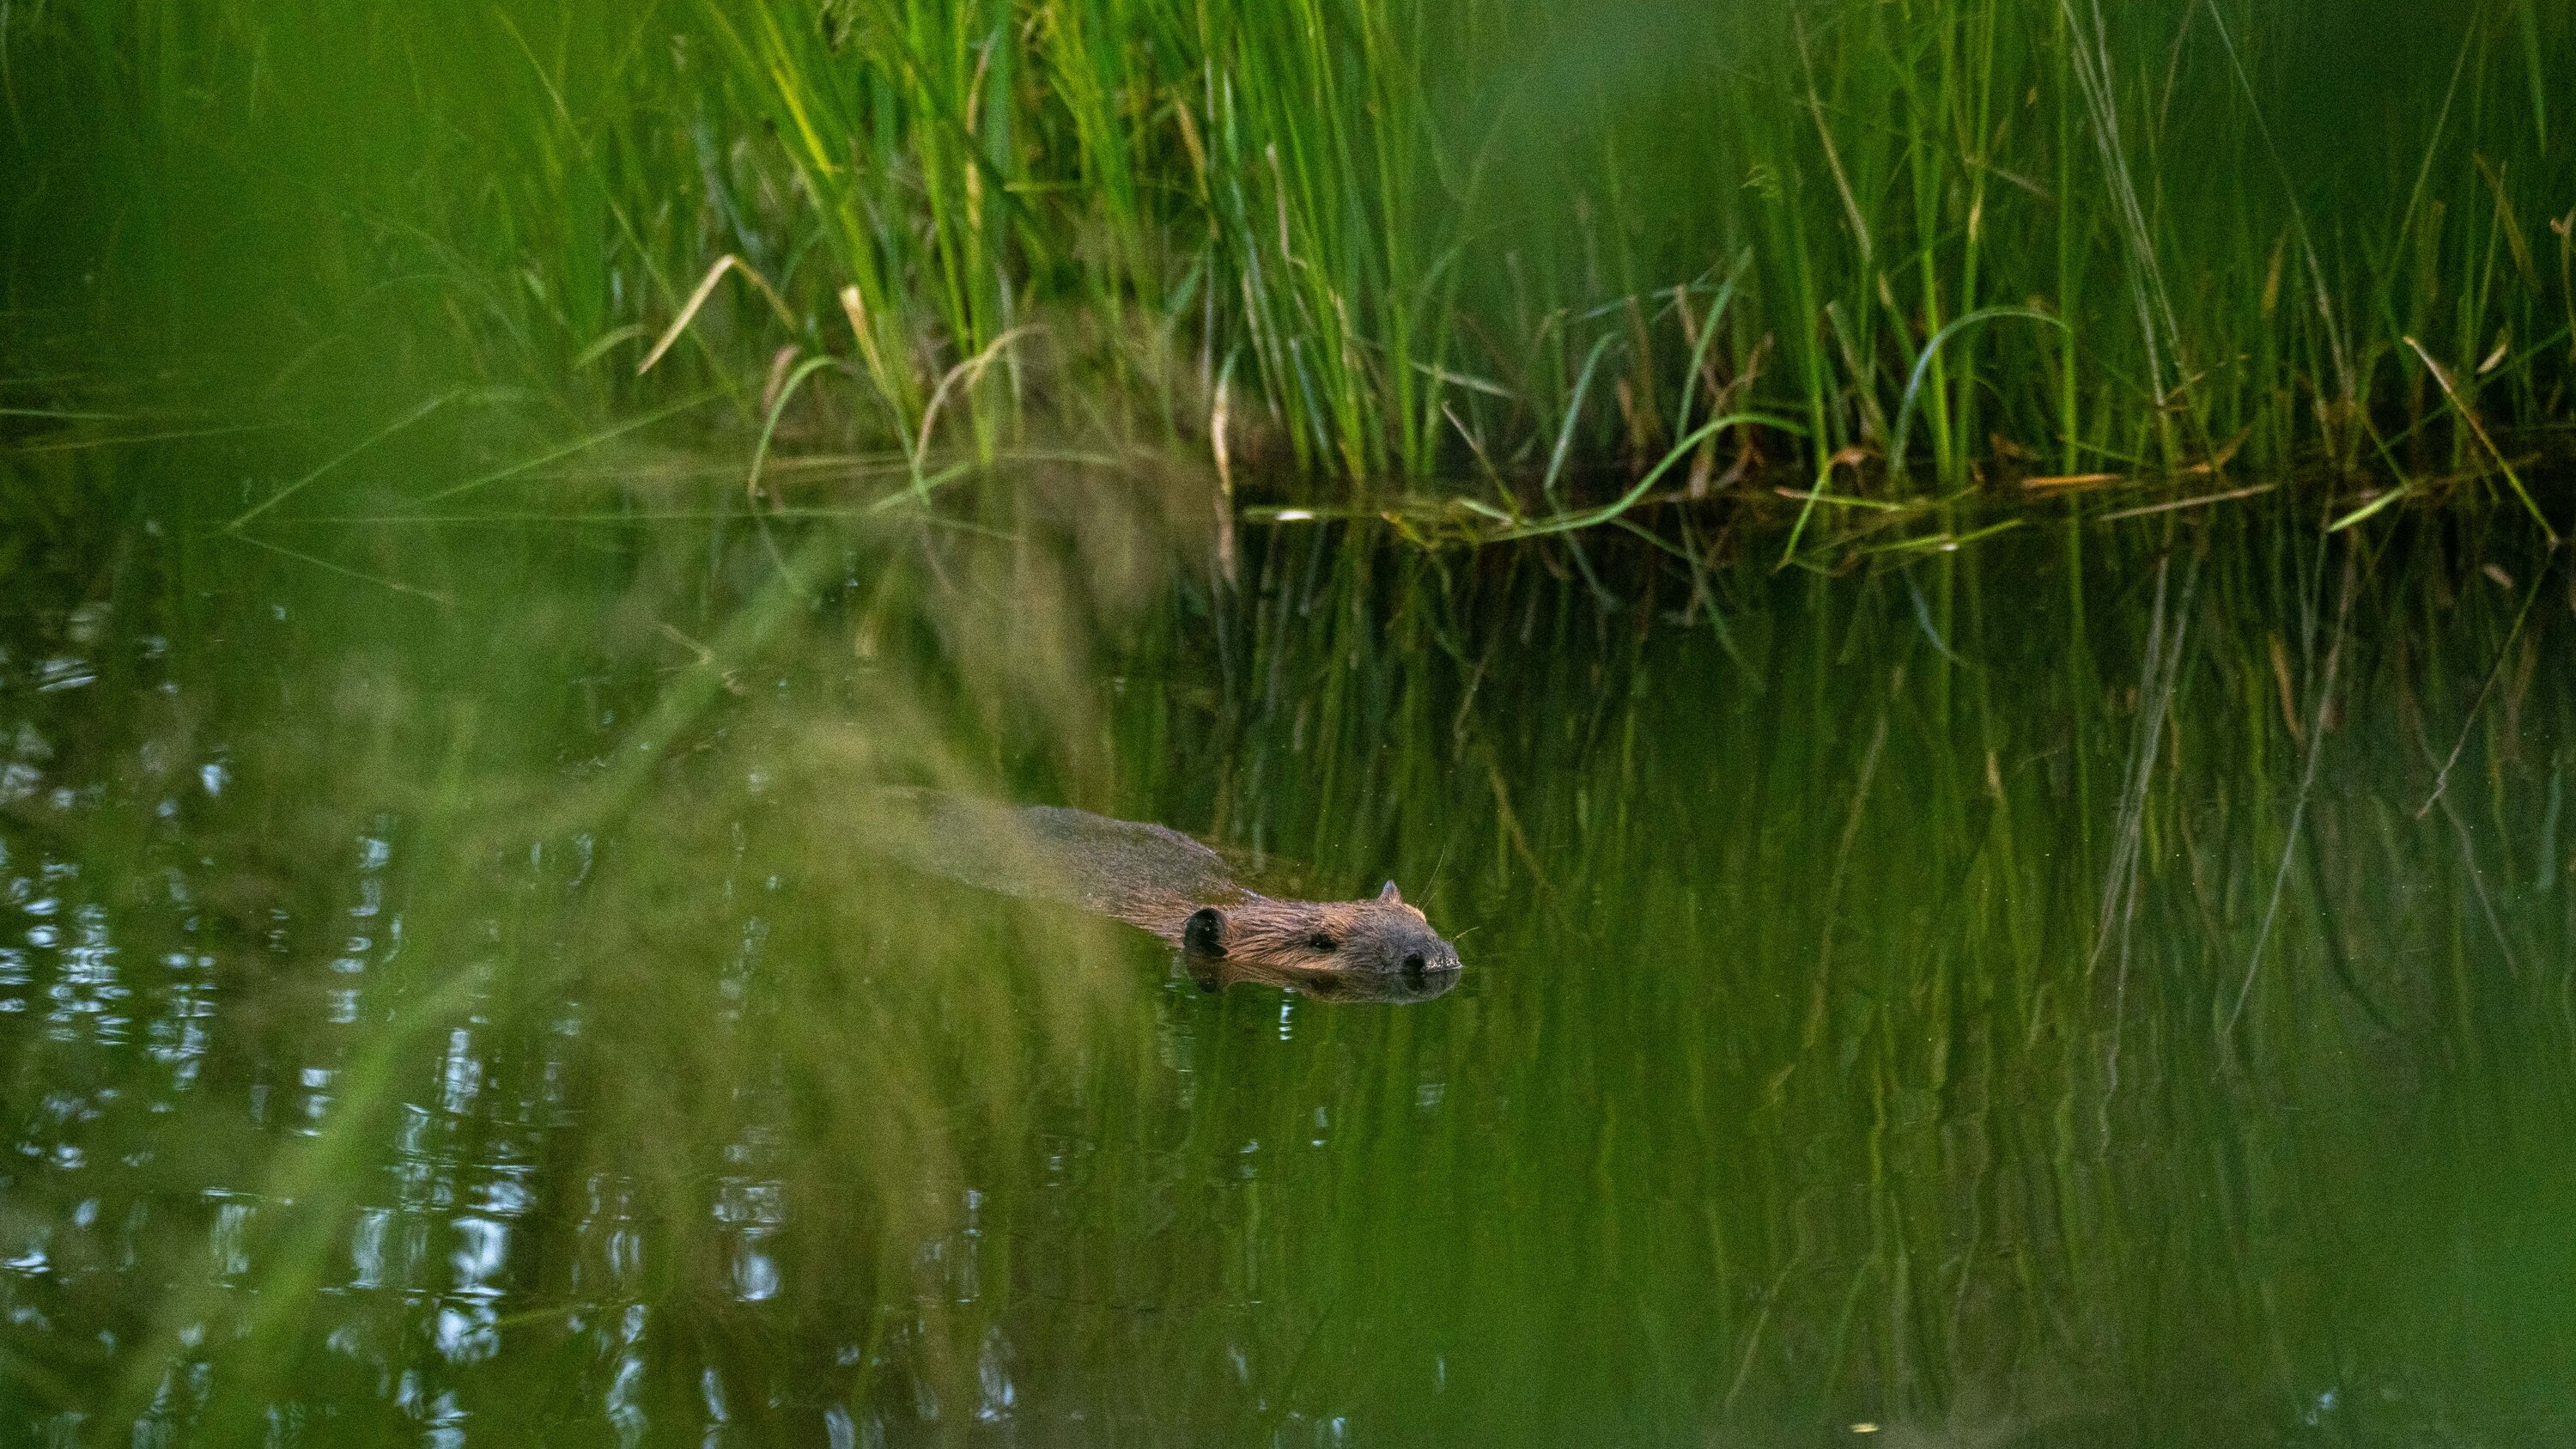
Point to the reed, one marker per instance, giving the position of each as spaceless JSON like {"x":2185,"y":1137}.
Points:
{"x":1953,"y":240}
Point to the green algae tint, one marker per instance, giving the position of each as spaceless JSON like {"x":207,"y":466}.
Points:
{"x":2106,"y":985}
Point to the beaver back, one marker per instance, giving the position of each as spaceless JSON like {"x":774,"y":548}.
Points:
{"x":1142,"y":874}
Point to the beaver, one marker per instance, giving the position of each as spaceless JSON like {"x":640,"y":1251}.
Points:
{"x":1380,"y":949}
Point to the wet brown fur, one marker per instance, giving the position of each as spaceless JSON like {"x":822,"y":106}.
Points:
{"x":1272,"y":941}
{"x":1166,"y":883}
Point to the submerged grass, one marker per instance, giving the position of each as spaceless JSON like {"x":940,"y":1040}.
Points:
{"x":1948,"y":239}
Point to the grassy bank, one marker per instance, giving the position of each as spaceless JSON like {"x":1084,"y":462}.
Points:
{"x":1935,"y":242}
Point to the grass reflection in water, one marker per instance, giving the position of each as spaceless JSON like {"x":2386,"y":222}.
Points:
{"x":2109,"y":987}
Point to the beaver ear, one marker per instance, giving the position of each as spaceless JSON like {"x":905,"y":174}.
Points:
{"x":1203,"y":934}
{"x":1389,"y":896}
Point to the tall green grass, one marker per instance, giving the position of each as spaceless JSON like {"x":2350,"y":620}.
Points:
{"x":1363,"y":239}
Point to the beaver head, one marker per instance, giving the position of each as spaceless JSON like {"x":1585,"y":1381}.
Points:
{"x":1377,"y":950}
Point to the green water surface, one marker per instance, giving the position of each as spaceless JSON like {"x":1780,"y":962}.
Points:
{"x":2107,"y":985}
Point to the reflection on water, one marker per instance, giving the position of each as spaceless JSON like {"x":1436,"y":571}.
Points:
{"x":2006,"y":999}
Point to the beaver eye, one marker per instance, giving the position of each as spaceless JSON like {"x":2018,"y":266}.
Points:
{"x":1320,"y":941}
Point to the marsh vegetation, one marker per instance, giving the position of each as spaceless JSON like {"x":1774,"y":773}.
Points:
{"x":1491,"y":245}
{"x":2057,"y":930}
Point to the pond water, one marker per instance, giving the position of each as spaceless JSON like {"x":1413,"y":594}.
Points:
{"x":2108,"y":984}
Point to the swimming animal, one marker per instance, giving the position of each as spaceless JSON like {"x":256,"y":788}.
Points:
{"x":1380,"y":949}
